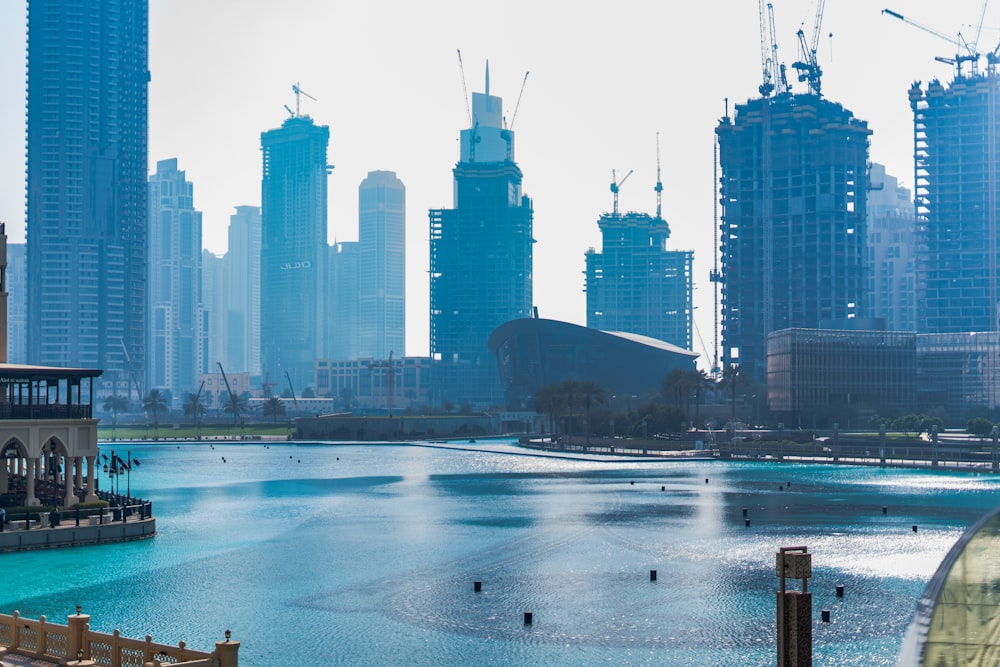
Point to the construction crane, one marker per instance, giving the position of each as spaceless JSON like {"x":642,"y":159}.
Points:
{"x":232,"y":396}
{"x":772,"y":74}
{"x":615,"y":185}
{"x":965,"y":53}
{"x":659,"y":184}
{"x":298,"y":93}
{"x":390,"y":378}
{"x":465,"y":89}
{"x":265,"y":385}
{"x":291,"y":389}
{"x":507,"y":132}
{"x":808,"y":67}
{"x":130,"y":371}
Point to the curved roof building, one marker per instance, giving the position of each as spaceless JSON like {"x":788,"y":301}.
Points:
{"x":958,"y":617}
{"x":532,"y":353}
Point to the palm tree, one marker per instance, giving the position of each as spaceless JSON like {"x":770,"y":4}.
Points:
{"x":115,"y":404}
{"x":155,"y":402}
{"x":592,"y":393}
{"x":547,"y":401}
{"x":235,"y":405}
{"x":274,"y":407}
{"x":570,"y":389}
{"x":194,"y":407}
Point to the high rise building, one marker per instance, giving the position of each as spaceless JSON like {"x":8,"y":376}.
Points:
{"x":793,"y":234}
{"x":177,"y":347}
{"x":342,"y":306}
{"x":381,"y":266}
{"x":239,"y":313}
{"x":891,"y":251}
{"x":956,"y":137}
{"x":293,"y":249}
{"x":635,"y":285}
{"x":480,"y":258}
{"x":17,"y":274}
{"x":88,"y":78}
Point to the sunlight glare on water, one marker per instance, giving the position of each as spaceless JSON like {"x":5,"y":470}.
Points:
{"x":366,"y":554}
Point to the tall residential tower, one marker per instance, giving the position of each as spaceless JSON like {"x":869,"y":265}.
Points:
{"x":793,"y":230}
{"x":88,"y":81}
{"x":480,"y":258}
{"x":381,"y":266}
{"x":178,"y":331}
{"x":293,"y":249}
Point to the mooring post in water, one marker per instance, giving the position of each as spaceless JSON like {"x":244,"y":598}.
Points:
{"x":996,"y":459}
{"x":794,"y":617}
{"x":881,"y":443}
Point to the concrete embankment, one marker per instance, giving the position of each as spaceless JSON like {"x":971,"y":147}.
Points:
{"x":16,"y":538}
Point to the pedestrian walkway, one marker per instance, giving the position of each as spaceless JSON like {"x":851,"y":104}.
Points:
{"x":12,"y":660}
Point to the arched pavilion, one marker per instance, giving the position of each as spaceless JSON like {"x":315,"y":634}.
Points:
{"x":48,"y":436}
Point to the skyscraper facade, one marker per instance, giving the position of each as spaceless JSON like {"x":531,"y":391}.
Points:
{"x":480,"y":258}
{"x":17,"y":275}
{"x":178,"y":335}
{"x":381,"y":266}
{"x":342,"y":305}
{"x":892,"y":247}
{"x":957,"y":146}
{"x":239,"y":313}
{"x":293,"y":249}
{"x":793,"y":230}
{"x":88,"y":79}
{"x":635,"y":284}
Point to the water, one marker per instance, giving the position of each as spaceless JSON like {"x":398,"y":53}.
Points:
{"x":366,"y":554}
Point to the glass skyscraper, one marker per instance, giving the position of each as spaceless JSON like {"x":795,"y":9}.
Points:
{"x":381,"y":266}
{"x":88,"y":82}
{"x":293,"y":250}
{"x":480,"y":259}
{"x":178,"y":335}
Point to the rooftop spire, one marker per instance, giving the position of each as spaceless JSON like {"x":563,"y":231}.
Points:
{"x":487,"y":78}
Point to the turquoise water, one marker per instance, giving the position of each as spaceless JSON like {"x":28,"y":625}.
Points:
{"x":320,"y":554}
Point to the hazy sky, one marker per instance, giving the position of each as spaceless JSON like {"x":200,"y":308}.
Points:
{"x":604,"y":79}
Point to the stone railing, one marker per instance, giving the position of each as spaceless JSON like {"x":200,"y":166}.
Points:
{"x":62,"y":643}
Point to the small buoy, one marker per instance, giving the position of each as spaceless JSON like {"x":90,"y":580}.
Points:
{"x":706,"y":480}
{"x":914,"y":528}
{"x":652,"y":575}
{"x":289,"y":456}
{"x":527,"y":618}
{"x":840,"y":590}
{"x":631,"y":483}
{"x":744,"y":512}
{"x":747,"y":523}
{"x":885,"y":509}
{"x":781,"y":488}
{"x":663,"y":488}
{"x":300,"y":460}
{"x":825,"y":615}
{"x":477,"y":586}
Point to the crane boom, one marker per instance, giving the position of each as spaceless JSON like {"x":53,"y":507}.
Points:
{"x":295,"y":401}
{"x":232,"y":396}
{"x":615,"y":185}
{"x":965,"y":53}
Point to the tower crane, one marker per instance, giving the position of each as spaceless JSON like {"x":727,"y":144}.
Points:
{"x":659,"y":183}
{"x":299,"y":92}
{"x":615,"y":185}
{"x":767,"y":68}
{"x":965,"y":52}
{"x":808,"y":67}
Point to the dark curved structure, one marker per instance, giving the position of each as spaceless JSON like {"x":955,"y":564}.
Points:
{"x":532,"y":353}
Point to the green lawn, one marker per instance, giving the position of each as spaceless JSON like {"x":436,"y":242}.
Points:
{"x":188,"y":431}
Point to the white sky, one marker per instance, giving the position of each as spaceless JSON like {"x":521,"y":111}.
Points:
{"x":604,"y":79}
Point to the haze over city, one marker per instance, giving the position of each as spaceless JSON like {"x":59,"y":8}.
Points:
{"x":603,"y":82}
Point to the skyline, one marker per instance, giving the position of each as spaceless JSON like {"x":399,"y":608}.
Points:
{"x":592,"y":106}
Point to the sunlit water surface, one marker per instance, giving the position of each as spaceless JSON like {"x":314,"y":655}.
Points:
{"x":320,"y":554}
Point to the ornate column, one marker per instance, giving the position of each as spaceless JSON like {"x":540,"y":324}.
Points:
{"x":91,"y":478}
{"x":68,"y":477}
{"x":30,"y":492}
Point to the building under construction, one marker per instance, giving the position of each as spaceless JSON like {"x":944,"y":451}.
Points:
{"x":793,"y":192}
{"x":635,"y":284}
{"x":956,"y":178}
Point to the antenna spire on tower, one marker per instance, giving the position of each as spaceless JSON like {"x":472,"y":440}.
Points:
{"x":487,"y":78}
{"x":659,"y":184}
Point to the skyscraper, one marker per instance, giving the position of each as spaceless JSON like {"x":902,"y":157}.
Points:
{"x":793,"y":191}
{"x":239,"y":314}
{"x":635,"y":284}
{"x":480,"y":258}
{"x":178,"y":336}
{"x":892,"y":246}
{"x":86,"y":234}
{"x":957,"y":176}
{"x":342,"y":284}
{"x":381,"y":266}
{"x":293,"y":249}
